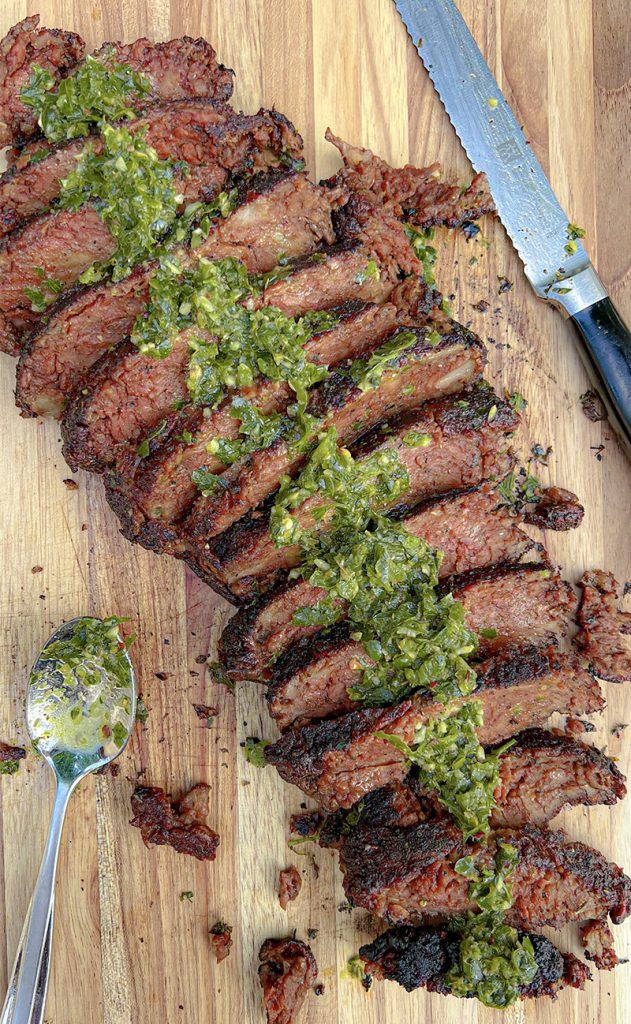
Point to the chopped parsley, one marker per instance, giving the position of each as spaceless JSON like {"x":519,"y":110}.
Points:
{"x":367,"y":373}
{"x":519,"y":488}
{"x":186,"y":895}
{"x":254,"y":751}
{"x":97,"y":92}
{"x":9,"y":766}
{"x":419,"y":239}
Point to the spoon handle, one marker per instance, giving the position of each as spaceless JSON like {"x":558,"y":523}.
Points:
{"x":6,"y":1017}
{"x":40,"y":916}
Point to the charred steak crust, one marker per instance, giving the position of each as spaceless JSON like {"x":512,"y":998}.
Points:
{"x":181,"y":825}
{"x":287,"y":971}
{"x":420,"y":957}
{"x":557,"y":509}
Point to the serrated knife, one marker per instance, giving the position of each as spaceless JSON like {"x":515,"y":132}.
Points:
{"x":555,"y":261}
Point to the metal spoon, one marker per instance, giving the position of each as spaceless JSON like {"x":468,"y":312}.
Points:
{"x":70,"y":762}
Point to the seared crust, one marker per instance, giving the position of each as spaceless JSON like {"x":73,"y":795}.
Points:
{"x":557,"y":509}
{"x":181,"y":825}
{"x":339,"y":760}
{"x":604,"y":635}
{"x":422,"y":372}
{"x":421,"y":957}
{"x":408,"y":875}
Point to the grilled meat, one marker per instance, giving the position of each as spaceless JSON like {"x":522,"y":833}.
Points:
{"x":422,"y":372}
{"x":152,"y":493}
{"x":604,"y":635}
{"x":408,"y":875}
{"x":61,"y":245}
{"x":464,"y":449}
{"x":200,"y":132}
{"x":557,"y":509}
{"x":126,"y":393}
{"x":287,"y":972}
{"x":181,"y":825}
{"x":543,"y":772}
{"x":421,"y":958}
{"x":24,"y":45}
{"x":597,"y":942}
{"x":289,"y":886}
{"x":468,"y":527}
{"x":90,"y":322}
{"x":507,"y":605}
{"x":179,"y":69}
{"x":221,"y":940}
{"x":416,"y":193}
{"x":339,"y":760}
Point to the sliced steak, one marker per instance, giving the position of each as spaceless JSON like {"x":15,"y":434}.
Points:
{"x":288,"y":970}
{"x":468,"y":527}
{"x":152,"y":493}
{"x":604,"y":635}
{"x":408,"y":875}
{"x":90,"y":321}
{"x":422,"y":372}
{"x":339,"y":760}
{"x":181,"y":825}
{"x":422,"y":957}
{"x":507,"y":605}
{"x":63,"y":244}
{"x":557,"y":509}
{"x":459,"y":456}
{"x":179,"y":69}
{"x":546,"y":771}
{"x":24,"y":45}
{"x":540,"y":774}
{"x":199,"y":132}
{"x":123,"y":380}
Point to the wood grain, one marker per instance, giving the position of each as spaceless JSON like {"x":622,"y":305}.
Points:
{"x":128,"y":951}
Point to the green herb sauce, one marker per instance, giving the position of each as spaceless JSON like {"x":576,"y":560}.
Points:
{"x":79,"y":698}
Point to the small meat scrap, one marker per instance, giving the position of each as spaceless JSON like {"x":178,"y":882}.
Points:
{"x":592,"y":406}
{"x":307,"y":824}
{"x":221,"y":939}
{"x":289,"y":886}
{"x":181,"y":824}
{"x":556,"y":509}
{"x":287,"y":972}
{"x":205,"y":713}
{"x":10,"y":758}
{"x":598,"y":944}
{"x":604,"y":635}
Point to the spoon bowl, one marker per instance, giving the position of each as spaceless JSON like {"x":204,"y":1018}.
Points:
{"x":80,"y":709}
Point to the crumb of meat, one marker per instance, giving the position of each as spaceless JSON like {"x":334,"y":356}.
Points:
{"x":592,"y":406}
{"x":556,"y":509}
{"x":37,"y":568}
{"x":618,"y":729}
{"x":220,"y":937}
{"x":181,"y":824}
{"x":112,"y":769}
{"x":577,"y":726}
{"x":604,"y":635}
{"x":289,"y":886}
{"x":10,"y":757}
{"x":71,"y":484}
{"x":597,"y":941}
{"x":206,"y":713}
{"x":24,"y":45}
{"x":305,"y":824}
{"x":288,"y":970}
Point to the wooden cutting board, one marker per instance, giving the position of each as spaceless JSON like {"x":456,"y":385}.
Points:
{"x":128,"y":949}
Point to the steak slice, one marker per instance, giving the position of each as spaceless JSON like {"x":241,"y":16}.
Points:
{"x":90,"y":321}
{"x":543,"y":772}
{"x":515,"y":604}
{"x":287,"y":972}
{"x":181,"y":825}
{"x":604,"y":635}
{"x":198,"y":131}
{"x":24,"y":45}
{"x":421,"y":957}
{"x":179,"y":69}
{"x":422,"y":372}
{"x":339,"y":760}
{"x":469,"y":527}
{"x":122,"y":381}
{"x":151,"y":493}
{"x":408,"y":875}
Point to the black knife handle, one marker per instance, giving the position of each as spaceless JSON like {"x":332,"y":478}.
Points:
{"x":607,"y":354}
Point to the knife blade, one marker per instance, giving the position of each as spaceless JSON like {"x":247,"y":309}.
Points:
{"x":555,"y":261}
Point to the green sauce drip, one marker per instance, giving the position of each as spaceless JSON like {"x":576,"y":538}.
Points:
{"x":385,"y":575}
{"x":419,"y":239}
{"x":95,"y":93}
{"x":236,"y":345}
